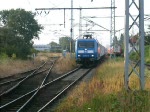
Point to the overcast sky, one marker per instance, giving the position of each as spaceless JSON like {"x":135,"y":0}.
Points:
{"x":53,"y":29}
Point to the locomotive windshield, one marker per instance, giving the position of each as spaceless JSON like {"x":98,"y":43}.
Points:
{"x":86,"y":44}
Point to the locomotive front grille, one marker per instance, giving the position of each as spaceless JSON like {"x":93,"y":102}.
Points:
{"x":85,"y":51}
{"x":80,"y":51}
{"x":90,"y":51}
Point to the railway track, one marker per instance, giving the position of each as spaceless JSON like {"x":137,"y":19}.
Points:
{"x":26,"y":84}
{"x":69,"y":83}
{"x":15,"y":76}
{"x":19,"y":75}
{"x":44,"y":95}
{"x":6,"y":86}
{"x":11,"y":82}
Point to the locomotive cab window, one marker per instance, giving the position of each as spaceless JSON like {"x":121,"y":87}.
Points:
{"x":86,"y":44}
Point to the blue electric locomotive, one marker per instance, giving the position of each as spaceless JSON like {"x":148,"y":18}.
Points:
{"x":89,"y":51}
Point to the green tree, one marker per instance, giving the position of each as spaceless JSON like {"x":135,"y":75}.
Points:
{"x":121,"y":41}
{"x":147,"y":37}
{"x":53,"y":44}
{"x":55,"y":47}
{"x":22,"y":28}
{"x":115,"y":41}
{"x":7,"y":38}
{"x":65,"y":43}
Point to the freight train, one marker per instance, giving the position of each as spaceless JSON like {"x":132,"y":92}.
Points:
{"x":89,"y":51}
{"x":116,"y":50}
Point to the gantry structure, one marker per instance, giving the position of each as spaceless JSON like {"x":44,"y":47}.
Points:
{"x":137,"y":46}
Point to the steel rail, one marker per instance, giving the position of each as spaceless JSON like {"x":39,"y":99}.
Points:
{"x":15,"y":86}
{"x":20,"y":78}
{"x":33,"y":91}
{"x":15,"y":75}
{"x":19,"y":98}
{"x":63,"y":91}
{"x":37,"y":89}
{"x":29,"y":93}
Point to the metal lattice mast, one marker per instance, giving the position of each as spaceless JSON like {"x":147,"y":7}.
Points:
{"x":138,"y":46}
{"x":80,"y":24}
{"x":112,"y":26}
{"x":71,"y":29}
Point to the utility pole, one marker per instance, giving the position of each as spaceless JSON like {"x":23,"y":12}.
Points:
{"x":138,"y":67}
{"x":80,"y":23}
{"x":71,"y":29}
{"x":112,"y":25}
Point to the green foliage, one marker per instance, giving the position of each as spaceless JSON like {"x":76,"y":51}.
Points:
{"x":121,"y":41}
{"x":147,"y":60}
{"x":115,"y":41}
{"x":34,"y":51}
{"x":118,"y":59}
{"x":120,"y":102}
{"x":147,"y":39}
{"x":55,"y":47}
{"x":56,"y":51}
{"x":147,"y":54}
{"x":18,"y":29}
{"x":105,"y":103}
{"x":134,"y":56}
{"x":14,"y":56}
{"x":65,"y":43}
{"x":53,"y":44}
{"x":3,"y":56}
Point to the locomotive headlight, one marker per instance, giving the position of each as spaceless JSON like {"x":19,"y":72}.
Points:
{"x":78,"y":55}
{"x":92,"y":55}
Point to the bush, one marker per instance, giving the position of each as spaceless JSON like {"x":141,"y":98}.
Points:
{"x":14,"y":56}
{"x":147,"y":61}
{"x":147,"y":54}
{"x":3,"y":56}
{"x":134,"y":56}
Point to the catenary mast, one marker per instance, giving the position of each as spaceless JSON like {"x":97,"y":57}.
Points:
{"x":138,"y":46}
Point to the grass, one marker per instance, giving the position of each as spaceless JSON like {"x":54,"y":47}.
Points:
{"x":64,"y":65}
{"x":105,"y":93}
{"x":10,"y":67}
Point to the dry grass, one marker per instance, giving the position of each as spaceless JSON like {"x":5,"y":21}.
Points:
{"x":106,"y":92}
{"x":46,"y":56}
{"x":64,"y":65}
{"x":10,"y":67}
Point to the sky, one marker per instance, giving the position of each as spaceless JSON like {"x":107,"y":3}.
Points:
{"x":53,"y":22}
